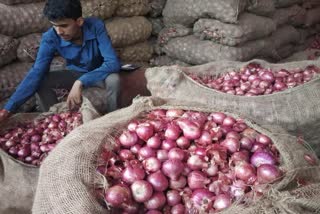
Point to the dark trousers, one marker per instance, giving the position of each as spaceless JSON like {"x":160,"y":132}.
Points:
{"x":65,"y":79}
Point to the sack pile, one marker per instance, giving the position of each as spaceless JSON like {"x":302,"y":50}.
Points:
{"x":198,"y":32}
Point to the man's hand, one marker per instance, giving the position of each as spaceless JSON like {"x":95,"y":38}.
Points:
{"x":4,"y":114}
{"x":74,"y":97}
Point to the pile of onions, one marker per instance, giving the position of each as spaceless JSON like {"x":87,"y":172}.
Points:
{"x":254,"y":80}
{"x":173,"y":160}
{"x":31,"y":142}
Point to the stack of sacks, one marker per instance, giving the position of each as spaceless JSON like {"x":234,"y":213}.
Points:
{"x":22,"y":25}
{"x":197,"y":32}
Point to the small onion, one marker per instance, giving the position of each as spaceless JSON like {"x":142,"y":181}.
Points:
{"x":172,"y":168}
{"x":267,"y":173}
{"x":221,"y":202}
{"x":158,"y":181}
{"x":141,"y":191}
{"x":157,"y":201}
{"x":262,"y":157}
{"x":173,"y":197}
{"x":117,"y":195}
{"x":197,"y":180}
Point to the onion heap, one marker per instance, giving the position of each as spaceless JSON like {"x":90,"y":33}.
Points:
{"x":173,"y":160}
{"x":254,"y":80}
{"x":31,"y":142}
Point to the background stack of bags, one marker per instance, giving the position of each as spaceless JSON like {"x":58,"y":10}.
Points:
{"x":22,"y":25}
{"x":197,"y":32}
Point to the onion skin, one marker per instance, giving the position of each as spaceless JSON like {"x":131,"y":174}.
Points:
{"x":117,"y":195}
{"x":141,"y":191}
{"x":158,"y":181}
{"x":267,"y":173}
{"x":157,"y":201}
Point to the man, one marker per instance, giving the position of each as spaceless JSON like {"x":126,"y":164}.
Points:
{"x":90,"y":58}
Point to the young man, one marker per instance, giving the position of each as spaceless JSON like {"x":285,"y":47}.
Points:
{"x":90,"y":58}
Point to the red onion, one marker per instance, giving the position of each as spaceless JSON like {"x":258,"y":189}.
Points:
{"x":231,"y":144}
{"x":221,"y":202}
{"x":172,"y":132}
{"x":130,"y":208}
{"x":135,"y":148}
{"x":179,"y":183}
{"x":183,"y":142}
{"x":168,"y":144}
{"x":263,"y":139}
{"x":238,"y":188}
{"x":218,"y":117}
{"x":267,"y":173}
{"x":128,"y":139}
{"x":212,"y":170}
{"x":132,"y":126}
{"x":174,"y":113}
{"x":233,"y":134}
{"x":245,"y":171}
{"x":197,"y":180}
{"x":159,"y":113}
{"x":154,"y":142}
{"x":195,"y":162}
{"x":141,"y":191}
{"x":145,"y":131}
{"x":178,"y":209}
{"x":310,"y":159}
{"x":202,"y":199}
{"x":190,"y":129}
{"x":132,"y":173}
{"x":162,"y":155}
{"x":126,"y":154}
{"x":157,"y":201}
{"x":262,"y":157}
{"x":205,"y":139}
{"x":176,"y":153}
{"x":158,"y":181}
{"x":242,"y":155}
{"x":246,"y":143}
{"x":117,"y":195}
{"x":152,"y":164}
{"x":146,"y":152}
{"x":153,"y":212}
{"x":172,"y":168}
{"x":173,"y":197}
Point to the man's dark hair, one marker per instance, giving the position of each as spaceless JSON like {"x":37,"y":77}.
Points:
{"x":62,"y":9}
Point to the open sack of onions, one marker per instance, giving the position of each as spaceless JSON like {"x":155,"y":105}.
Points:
{"x":285,"y":95}
{"x":26,"y":139}
{"x":169,"y":156}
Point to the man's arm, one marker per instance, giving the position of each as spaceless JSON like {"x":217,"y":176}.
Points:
{"x":110,"y":63}
{"x":30,"y":83}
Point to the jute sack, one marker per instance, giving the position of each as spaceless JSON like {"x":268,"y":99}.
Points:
{"x":68,"y":176}
{"x":157,"y":25}
{"x":156,"y":7}
{"x":312,"y":17}
{"x":297,"y":109}
{"x":22,"y":19}
{"x":140,"y":52}
{"x":165,"y":60}
{"x":294,"y":15}
{"x":186,"y":12}
{"x":286,"y":3}
{"x":18,"y":181}
{"x":28,"y":47}
{"x":308,"y":54}
{"x":133,"y":8}
{"x":261,"y":7}
{"x":128,"y":31}
{"x":192,"y":50}
{"x":8,"y":49}
{"x":249,"y":27}
{"x":10,"y":2}
{"x":168,"y":33}
{"x":99,"y":8}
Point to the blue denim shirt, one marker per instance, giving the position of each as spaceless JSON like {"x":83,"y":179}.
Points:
{"x":95,"y":58}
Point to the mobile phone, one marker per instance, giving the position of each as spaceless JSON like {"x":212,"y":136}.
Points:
{"x":129,"y":67}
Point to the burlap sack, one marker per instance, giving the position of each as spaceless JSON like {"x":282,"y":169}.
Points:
{"x":168,"y":33}
{"x":165,"y":61}
{"x":141,"y":52}
{"x":309,"y":4}
{"x":186,"y":12}
{"x":312,"y":17}
{"x":8,"y":49}
{"x":286,"y":3}
{"x":285,"y":51}
{"x":249,"y":27}
{"x":66,"y":184}
{"x":194,"y":51}
{"x":294,"y":15}
{"x":296,"y":109}
{"x":18,"y":181}
{"x":308,"y":54}
{"x":157,"y":25}
{"x":156,"y":7}
{"x":128,"y":31}
{"x":99,"y":8}
{"x":133,"y":8}
{"x":22,"y":19}
{"x":261,"y":7}
{"x":10,"y":2}
{"x":28,"y":47}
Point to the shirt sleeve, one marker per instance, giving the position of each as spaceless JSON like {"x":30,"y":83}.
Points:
{"x":110,"y":63}
{"x":31,"y":82}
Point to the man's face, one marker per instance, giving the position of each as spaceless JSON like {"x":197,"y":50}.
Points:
{"x":68,"y":29}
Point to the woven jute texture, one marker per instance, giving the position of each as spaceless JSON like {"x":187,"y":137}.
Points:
{"x":157,"y":25}
{"x":249,"y":27}
{"x":133,"y":8}
{"x":8,"y":49}
{"x":297,"y":109}
{"x":28,"y":47}
{"x":99,"y":8}
{"x":140,"y":52}
{"x":312,"y":17}
{"x":128,"y":31}
{"x":261,"y":7}
{"x":286,"y":3}
{"x":22,"y":19}
{"x":68,"y":176}
{"x":294,"y":15}
{"x":18,"y":181}
{"x":156,"y":7}
{"x":11,"y":2}
{"x":192,"y":50}
{"x":186,"y":12}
